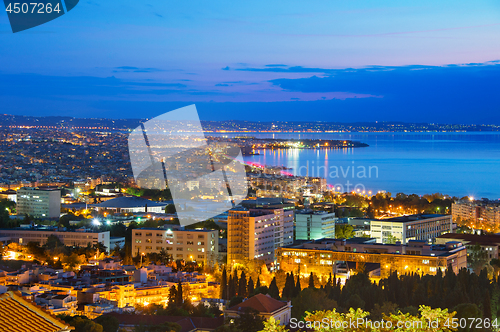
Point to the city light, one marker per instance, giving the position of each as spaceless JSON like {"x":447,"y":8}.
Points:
{"x":96,"y":222}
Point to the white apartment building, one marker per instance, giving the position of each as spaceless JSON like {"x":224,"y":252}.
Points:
{"x":79,"y":237}
{"x":188,"y":245}
{"x":257,"y":233}
{"x":414,"y":227}
{"x":314,"y":225}
{"x":39,"y":203}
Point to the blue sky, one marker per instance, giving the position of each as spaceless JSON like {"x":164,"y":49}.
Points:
{"x":346,"y":61}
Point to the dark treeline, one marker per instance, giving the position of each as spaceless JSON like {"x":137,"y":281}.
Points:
{"x":469,"y":294}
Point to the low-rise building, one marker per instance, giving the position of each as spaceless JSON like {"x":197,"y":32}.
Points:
{"x":265,"y":305}
{"x":489,"y":244}
{"x":425,"y":227}
{"x":189,"y":245}
{"x":322,"y":256}
{"x":131,"y":204}
{"x":80,"y":237}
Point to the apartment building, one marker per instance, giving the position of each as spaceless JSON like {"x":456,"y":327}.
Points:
{"x":257,"y":233}
{"x":475,"y":211}
{"x":313,"y":225}
{"x":39,"y":203}
{"x":188,"y":245}
{"x":80,"y":237}
{"x":412,"y":227}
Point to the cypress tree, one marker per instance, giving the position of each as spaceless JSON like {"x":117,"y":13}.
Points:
{"x":179,"y":297}
{"x":172,"y":296}
{"x":286,"y":289}
{"x":223,"y":285}
{"x":274,"y":290}
{"x":329,"y":285}
{"x":235,"y":279}
{"x":298,"y":287}
{"x":257,"y":285}
{"x":232,"y":288}
{"x":311,"y":281}
{"x":250,"y":287}
{"x":242,"y":287}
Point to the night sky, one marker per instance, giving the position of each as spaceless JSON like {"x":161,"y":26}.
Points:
{"x":347,"y":61}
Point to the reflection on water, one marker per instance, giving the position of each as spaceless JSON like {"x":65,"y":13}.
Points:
{"x":457,"y":164}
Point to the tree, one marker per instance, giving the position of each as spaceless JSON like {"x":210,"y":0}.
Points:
{"x":71,"y":261}
{"x":5,"y":221}
{"x":298,"y":288}
{"x":179,"y":296}
{"x":223,"y":286}
{"x":232,"y":288}
{"x":429,"y":320}
{"x":242,"y":287}
{"x":391,"y":239}
{"x":108,"y":323}
{"x":344,"y":231}
{"x":477,"y":258}
{"x":289,"y":288}
{"x":272,"y":325}
{"x":83,"y":324}
{"x":235,"y":300}
{"x":53,"y":242}
{"x":274,"y":290}
{"x":249,"y":321}
{"x":250,"y":287}
{"x":311,"y":281}
{"x":172,"y":296}
{"x":163,"y":327}
{"x":310,"y":300}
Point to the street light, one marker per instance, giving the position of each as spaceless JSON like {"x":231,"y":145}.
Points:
{"x":142,"y":255}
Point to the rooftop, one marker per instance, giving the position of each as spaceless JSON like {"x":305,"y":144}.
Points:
{"x":260,"y":302}
{"x":20,"y":315}
{"x":415,"y":217}
{"x":129,"y":202}
{"x":481,"y":239}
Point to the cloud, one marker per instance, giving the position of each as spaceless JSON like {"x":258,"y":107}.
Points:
{"x":131,"y":69}
{"x":32,"y":85}
{"x":463,"y":93}
{"x":283,"y":69}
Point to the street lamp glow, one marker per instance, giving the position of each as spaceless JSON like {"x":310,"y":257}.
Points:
{"x":96,"y":222}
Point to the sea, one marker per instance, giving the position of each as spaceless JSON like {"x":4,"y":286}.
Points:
{"x":457,"y":164}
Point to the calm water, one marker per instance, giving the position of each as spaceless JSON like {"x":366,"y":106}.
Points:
{"x":457,"y":164}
